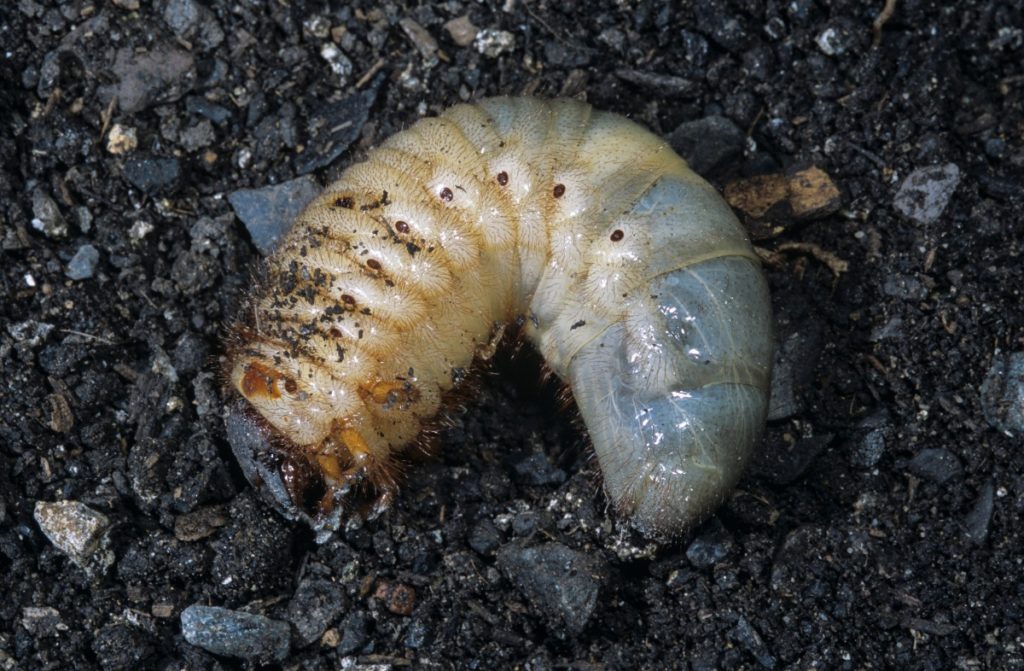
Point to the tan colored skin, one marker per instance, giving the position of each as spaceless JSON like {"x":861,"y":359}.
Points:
{"x":410,"y":265}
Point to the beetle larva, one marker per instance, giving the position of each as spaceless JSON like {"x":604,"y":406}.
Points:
{"x":627,"y":270}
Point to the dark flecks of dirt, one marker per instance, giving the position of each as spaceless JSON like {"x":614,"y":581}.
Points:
{"x":858,"y":561}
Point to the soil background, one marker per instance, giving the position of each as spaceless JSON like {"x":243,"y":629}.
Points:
{"x":880,"y":528}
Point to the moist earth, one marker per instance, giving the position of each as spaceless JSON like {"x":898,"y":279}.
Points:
{"x":149,"y":149}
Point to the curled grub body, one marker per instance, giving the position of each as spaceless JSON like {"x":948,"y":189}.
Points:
{"x":628,"y":271}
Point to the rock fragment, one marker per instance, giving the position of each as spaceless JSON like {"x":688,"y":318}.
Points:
{"x":708,"y":144}
{"x":925,"y":193}
{"x":1002,"y":393}
{"x":83,"y":264}
{"x":560,"y":582}
{"x":78,"y":531}
{"x":462,"y":31}
{"x":268,"y":212}
{"x":236,"y":634}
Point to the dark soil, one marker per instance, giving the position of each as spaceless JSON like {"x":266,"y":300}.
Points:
{"x":880,"y":529}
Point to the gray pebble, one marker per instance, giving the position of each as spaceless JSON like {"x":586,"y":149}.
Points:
{"x":538,"y":470}
{"x":905,"y":287}
{"x":161,"y":75}
{"x":840,"y":36}
{"x":977,"y":520}
{"x":314,"y":606}
{"x":1002,"y":393}
{"x":339,"y":124}
{"x":708,"y":144}
{"x":715,"y":20}
{"x":353,"y":633}
{"x":42,"y":621}
{"x":420,"y":37}
{"x":671,"y":86}
{"x":193,"y":22}
{"x":198,"y":136}
{"x":212,"y":111}
{"x":83,"y":263}
{"x":416,"y":634}
{"x":786,"y":465}
{"x":236,"y":634}
{"x":709,"y":548}
{"x":560,"y":582}
{"x":925,"y":193}
{"x":935,"y":464}
{"x":30,"y":332}
{"x":868,"y":448}
{"x":46,"y":216}
{"x":484,"y":537}
{"x":268,"y":212}
{"x":793,"y":368}
{"x":152,"y":174}
{"x":78,"y":531}
{"x":747,"y":637}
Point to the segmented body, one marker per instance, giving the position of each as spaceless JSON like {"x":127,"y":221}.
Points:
{"x":628,"y":272}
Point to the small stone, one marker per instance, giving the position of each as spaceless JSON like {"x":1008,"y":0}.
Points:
{"x":340,"y":64}
{"x":484,"y":537}
{"x":786,"y":464}
{"x":839,"y":37}
{"x":538,"y":470}
{"x":197,"y":136}
{"x":200,"y":524}
{"x":318,"y":26}
{"x":492,"y":42}
{"x":714,"y":20}
{"x":354,"y":633}
{"x":462,"y":31}
{"x":560,"y":582}
{"x":121,"y":139}
{"x":416,"y":634}
{"x":421,"y":39}
{"x":152,"y":174}
{"x":925,"y":193}
{"x":236,"y":634}
{"x":793,"y":367}
{"x":671,"y":86}
{"x":398,"y":598}
{"x":315,"y":605}
{"x":83,"y":264}
{"x":338,"y":125}
{"x":161,"y":75}
{"x":193,"y":22}
{"x":30,"y":332}
{"x":905,"y":287}
{"x":139,"y":230}
{"x":268,"y":213}
{"x":78,"y":531}
{"x":748,"y":638}
{"x":84,"y":218}
{"x":42,"y":621}
{"x":976,"y":522}
{"x":709,"y":548}
{"x":202,"y":106}
{"x":874,"y":431}
{"x":935,"y":464}
{"x":46,"y":216}
{"x":1002,"y":393}
{"x":708,"y":144}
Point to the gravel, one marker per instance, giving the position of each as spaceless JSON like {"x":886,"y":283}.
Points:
{"x":877,"y":529}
